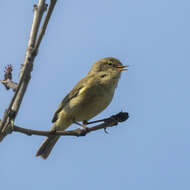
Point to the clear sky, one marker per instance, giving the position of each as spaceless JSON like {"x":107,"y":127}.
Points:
{"x":149,"y":151}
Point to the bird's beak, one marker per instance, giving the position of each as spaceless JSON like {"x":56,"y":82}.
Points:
{"x":122,"y":67}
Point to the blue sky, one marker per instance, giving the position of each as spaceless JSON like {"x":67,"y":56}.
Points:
{"x":151,"y":149}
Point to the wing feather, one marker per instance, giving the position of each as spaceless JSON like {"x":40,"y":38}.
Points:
{"x":74,"y":92}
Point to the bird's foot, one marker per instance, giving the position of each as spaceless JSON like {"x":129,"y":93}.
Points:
{"x":52,"y":132}
{"x":85,"y":129}
{"x":85,"y":122}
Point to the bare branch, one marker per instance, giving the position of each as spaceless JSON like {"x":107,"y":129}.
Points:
{"x":108,"y":122}
{"x":25,"y":75}
{"x":46,"y":21}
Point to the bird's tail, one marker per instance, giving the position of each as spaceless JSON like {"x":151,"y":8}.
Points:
{"x":47,"y":146}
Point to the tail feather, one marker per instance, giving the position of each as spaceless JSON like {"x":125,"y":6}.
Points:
{"x":47,"y":146}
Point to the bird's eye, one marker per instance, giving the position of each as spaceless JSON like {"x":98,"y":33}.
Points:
{"x":110,"y":63}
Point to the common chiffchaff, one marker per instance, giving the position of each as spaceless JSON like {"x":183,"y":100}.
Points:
{"x":87,"y":99}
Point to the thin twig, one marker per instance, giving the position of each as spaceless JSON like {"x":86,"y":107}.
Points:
{"x":44,"y":26}
{"x":7,"y":82}
{"x":108,"y":122}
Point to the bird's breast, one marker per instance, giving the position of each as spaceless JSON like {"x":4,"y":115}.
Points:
{"x":93,"y":101}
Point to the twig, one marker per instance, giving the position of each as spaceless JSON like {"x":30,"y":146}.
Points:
{"x":46,"y":21}
{"x":7,"y":82}
{"x":11,"y":112}
{"x":108,"y":122}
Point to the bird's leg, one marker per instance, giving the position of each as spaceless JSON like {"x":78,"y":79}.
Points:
{"x":87,"y":123}
{"x":110,"y":119}
{"x":91,"y":122}
{"x":52,"y":132}
{"x":85,"y":128}
{"x":82,"y":125}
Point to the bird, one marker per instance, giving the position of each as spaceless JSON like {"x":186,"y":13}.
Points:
{"x":90,"y":96}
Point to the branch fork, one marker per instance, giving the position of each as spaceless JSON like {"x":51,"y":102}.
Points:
{"x":25,"y":74}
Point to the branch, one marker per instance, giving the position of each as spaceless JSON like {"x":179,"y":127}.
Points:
{"x":108,"y":122}
{"x":25,"y":75}
{"x":46,"y":21}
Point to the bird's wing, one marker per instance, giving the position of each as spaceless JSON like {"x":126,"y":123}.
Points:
{"x":73,"y":93}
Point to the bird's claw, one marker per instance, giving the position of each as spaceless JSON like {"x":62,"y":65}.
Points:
{"x":85,"y":122}
{"x":52,"y":132}
{"x":84,"y":131}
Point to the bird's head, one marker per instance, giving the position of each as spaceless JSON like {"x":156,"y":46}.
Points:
{"x":108,"y":64}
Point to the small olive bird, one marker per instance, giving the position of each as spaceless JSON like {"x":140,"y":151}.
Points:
{"x":88,"y":98}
